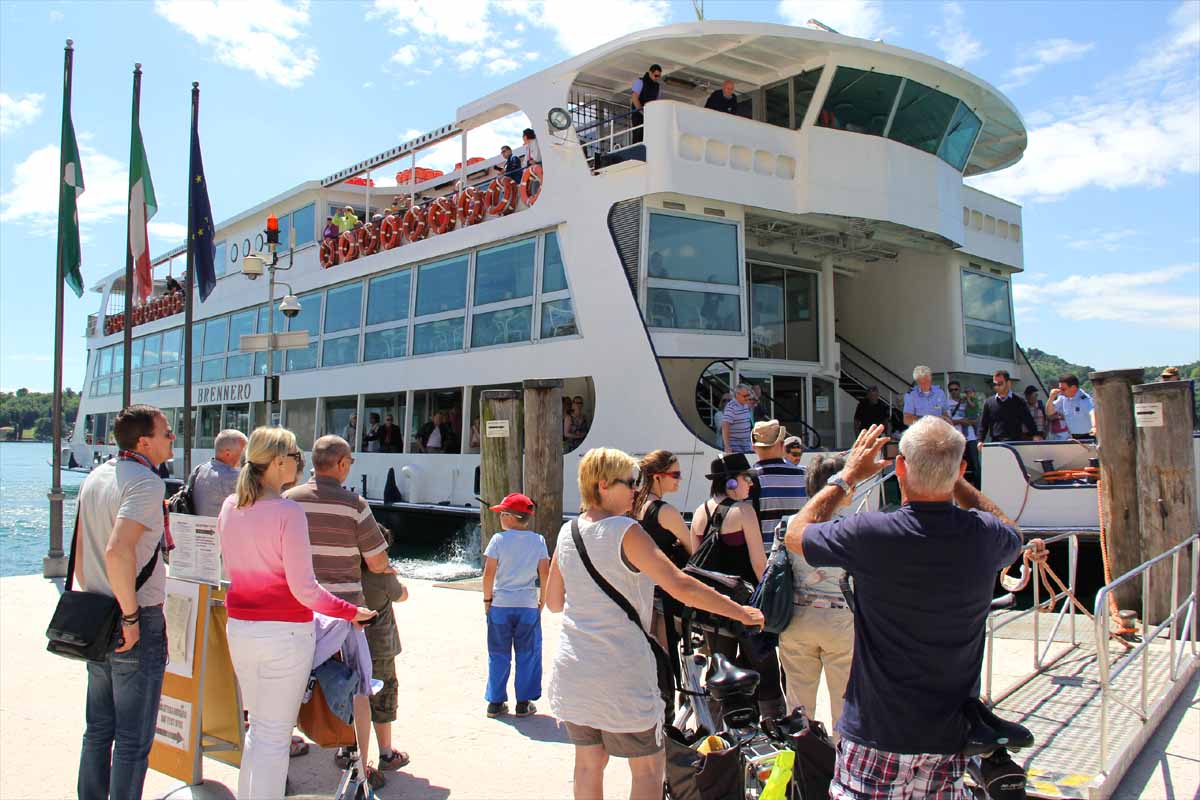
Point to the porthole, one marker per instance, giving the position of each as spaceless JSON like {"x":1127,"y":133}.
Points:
{"x":233,"y":252}
{"x":258,"y":243}
{"x":245,"y":247}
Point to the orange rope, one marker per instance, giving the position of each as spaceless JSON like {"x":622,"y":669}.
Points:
{"x":1114,"y":611}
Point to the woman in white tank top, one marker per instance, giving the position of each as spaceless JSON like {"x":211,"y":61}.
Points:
{"x":603,"y":683}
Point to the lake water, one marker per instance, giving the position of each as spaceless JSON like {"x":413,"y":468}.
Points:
{"x":25,"y":523}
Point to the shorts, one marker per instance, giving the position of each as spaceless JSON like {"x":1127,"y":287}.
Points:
{"x":864,"y":773}
{"x":621,"y":745}
{"x":385,"y":701}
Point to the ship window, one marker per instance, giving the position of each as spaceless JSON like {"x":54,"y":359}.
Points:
{"x":554,"y":277}
{"x":106,"y":359}
{"x":171,"y":341}
{"x":558,"y":319}
{"x":216,"y":332}
{"x":168,"y":376}
{"x":237,"y":417}
{"x":342,"y":350}
{"x":302,"y":358}
{"x":220,"y":258}
{"x":502,"y":273}
{"x":280,"y":320}
{"x":804,"y":86}
{"x":197,"y":338}
{"x":777,"y":100}
{"x":442,"y":286}
{"x":260,"y":363}
{"x":240,"y":324}
{"x":389,"y":343}
{"x":860,"y":101}
{"x":338,"y":413}
{"x":102,"y":386}
{"x":210,"y":424}
{"x":118,"y":365}
{"x":135,"y":354}
{"x":309,"y":318}
{"x":342,"y":307}
{"x":285,"y":226}
{"x":300,"y":417}
{"x":427,"y":404}
{"x":304,"y":222}
{"x":376,"y":409}
{"x":504,"y":326}
{"x":213,"y":370}
{"x":989,"y":342}
{"x":387,"y":297}
{"x":150,"y":351}
{"x":987,"y":313}
{"x":438,"y":337}
{"x":960,"y":137}
{"x":135,"y":382}
{"x":698,"y":250}
{"x":922,"y":117}
{"x":783,"y":314}
{"x":239,"y":366}
{"x":675,"y":308}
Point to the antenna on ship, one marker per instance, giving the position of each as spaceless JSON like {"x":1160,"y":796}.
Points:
{"x":698,"y":7}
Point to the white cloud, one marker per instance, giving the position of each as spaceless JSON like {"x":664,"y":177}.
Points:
{"x":32,"y":201}
{"x":959,"y":47}
{"x":56,"y":15}
{"x":459,"y":22}
{"x":1136,"y":298}
{"x":173,"y":232}
{"x":1044,"y":54}
{"x":861,"y":18}
{"x":406,"y":56}
{"x":467,"y":59}
{"x":499,"y":66}
{"x":578,"y":26}
{"x":1100,"y":239}
{"x":266,"y":37}
{"x":17,"y":112}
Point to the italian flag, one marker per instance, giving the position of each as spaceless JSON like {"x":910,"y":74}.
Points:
{"x":142,"y":207}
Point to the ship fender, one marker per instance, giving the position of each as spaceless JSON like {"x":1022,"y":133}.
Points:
{"x":348,"y":246}
{"x":501,"y":196}
{"x":442,"y":215}
{"x":415,"y":225}
{"x":389,"y":232}
{"x":532,"y":175}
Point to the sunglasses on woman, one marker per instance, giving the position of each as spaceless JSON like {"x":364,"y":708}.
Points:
{"x":298,"y":456}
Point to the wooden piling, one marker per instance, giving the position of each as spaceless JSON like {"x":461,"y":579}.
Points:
{"x":1117,"y":443}
{"x":544,"y":455}
{"x":1167,"y":486}
{"x":499,"y":454}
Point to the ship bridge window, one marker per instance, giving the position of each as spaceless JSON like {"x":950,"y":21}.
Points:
{"x":786,"y":103}
{"x":860,"y":101}
{"x":171,"y":346}
{"x":960,"y":138}
{"x":693,"y":274}
{"x":987,"y":316}
{"x":503,"y":294}
{"x":922,"y":117}
{"x":442,"y":286}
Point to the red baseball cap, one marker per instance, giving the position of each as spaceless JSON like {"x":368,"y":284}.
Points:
{"x":515,"y":503}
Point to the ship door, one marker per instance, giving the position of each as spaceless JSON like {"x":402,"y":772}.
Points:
{"x":790,"y":399}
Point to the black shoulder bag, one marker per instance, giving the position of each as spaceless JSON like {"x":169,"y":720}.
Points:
{"x":662,"y":662}
{"x":184,"y":501}
{"x":706,"y":551}
{"x":85,"y":624}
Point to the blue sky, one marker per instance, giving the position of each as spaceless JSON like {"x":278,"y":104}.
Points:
{"x":292,"y":91}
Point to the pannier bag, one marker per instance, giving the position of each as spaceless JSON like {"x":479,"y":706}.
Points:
{"x":692,"y":775}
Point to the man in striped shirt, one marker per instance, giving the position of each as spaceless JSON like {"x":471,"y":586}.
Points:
{"x":780,"y":489}
{"x":737,"y":420}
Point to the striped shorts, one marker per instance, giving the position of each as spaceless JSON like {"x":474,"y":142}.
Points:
{"x":864,"y":773}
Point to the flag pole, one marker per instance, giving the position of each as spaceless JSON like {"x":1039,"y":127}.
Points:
{"x":54,"y":565}
{"x":127,"y":347}
{"x":192,"y":285}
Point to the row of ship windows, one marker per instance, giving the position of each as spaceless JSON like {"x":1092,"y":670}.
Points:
{"x":426,"y":305}
{"x":991,"y":225}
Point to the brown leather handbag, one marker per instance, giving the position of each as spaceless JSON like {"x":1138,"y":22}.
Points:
{"x":318,"y":722}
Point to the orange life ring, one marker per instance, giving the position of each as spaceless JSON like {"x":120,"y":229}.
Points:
{"x":415,"y":226}
{"x":368,"y":240}
{"x":347,"y":247}
{"x":527,"y":197}
{"x":501,"y":196}
{"x":329,"y":253}
{"x":442,"y":215}
{"x":465,"y":202}
{"x":389,"y":232}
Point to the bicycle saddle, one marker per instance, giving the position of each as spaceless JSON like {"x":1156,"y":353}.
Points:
{"x":726,"y":679}
{"x":988,"y":732}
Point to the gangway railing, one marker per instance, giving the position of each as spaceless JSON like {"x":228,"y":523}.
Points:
{"x":1148,"y":709}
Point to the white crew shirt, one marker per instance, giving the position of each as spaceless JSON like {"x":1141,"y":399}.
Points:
{"x":1077,"y":411}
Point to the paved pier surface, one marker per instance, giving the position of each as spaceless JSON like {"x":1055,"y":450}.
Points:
{"x":456,"y":751}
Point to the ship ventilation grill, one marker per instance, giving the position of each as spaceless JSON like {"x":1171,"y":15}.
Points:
{"x":625,"y":225}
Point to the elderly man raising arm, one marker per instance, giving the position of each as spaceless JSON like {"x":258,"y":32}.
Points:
{"x":923,"y":578}
{"x":216,"y":479}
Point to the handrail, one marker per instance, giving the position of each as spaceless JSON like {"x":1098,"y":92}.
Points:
{"x":905,"y":383}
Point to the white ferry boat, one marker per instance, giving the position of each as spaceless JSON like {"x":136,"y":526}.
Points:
{"x":818,"y":241}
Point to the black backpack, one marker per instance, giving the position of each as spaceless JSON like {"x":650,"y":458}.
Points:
{"x":183,"y":502}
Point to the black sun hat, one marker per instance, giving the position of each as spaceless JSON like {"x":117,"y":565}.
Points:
{"x":728,"y":466}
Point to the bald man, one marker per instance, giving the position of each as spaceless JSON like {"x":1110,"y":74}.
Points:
{"x":723,"y":99}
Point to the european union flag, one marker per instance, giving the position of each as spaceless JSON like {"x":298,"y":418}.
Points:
{"x":200,"y":237}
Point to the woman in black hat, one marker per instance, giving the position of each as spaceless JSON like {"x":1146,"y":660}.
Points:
{"x":738,"y":550}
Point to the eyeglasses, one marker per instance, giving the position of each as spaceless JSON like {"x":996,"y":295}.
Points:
{"x":629,"y":482}
{"x":168,"y":434}
{"x":298,"y":457}
{"x":676,"y":474}
{"x":796,"y":453}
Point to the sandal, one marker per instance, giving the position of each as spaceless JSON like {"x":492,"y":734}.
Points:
{"x":375,"y":778}
{"x":397,"y":760}
{"x":298,"y":747}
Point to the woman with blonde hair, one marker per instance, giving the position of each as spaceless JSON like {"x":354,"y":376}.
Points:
{"x":612,"y":711}
{"x":271,"y":599}
{"x":659,"y":474}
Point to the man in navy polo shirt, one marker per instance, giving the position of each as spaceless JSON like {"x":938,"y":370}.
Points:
{"x":923,"y":578}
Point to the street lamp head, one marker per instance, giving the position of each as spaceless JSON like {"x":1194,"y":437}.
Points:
{"x":290,"y":305}
{"x":252,"y":266}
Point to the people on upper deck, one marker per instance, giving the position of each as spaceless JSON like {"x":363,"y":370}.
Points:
{"x":924,"y":399}
{"x":723,"y":99}
{"x":645,"y":90}
{"x":346,"y":220}
{"x":902,"y":735}
{"x":173,"y":286}
{"x":331,"y":229}
{"x":533,"y":153}
{"x":511,"y":168}
{"x":1006,"y":417}
{"x":372,"y":438}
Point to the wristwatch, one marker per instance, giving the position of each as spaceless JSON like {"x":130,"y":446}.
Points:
{"x":840,"y":482}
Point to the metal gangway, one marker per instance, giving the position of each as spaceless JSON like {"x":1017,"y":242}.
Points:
{"x":1091,"y":699}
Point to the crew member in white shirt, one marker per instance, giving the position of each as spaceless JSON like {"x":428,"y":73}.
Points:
{"x":1074,"y":406}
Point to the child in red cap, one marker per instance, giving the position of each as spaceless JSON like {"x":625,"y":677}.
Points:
{"x":515,"y":567}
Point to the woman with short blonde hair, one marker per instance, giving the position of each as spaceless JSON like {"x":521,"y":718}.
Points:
{"x":607,"y":711}
{"x":271,"y":599}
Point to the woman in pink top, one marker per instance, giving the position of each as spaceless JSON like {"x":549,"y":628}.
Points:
{"x":271,"y":599}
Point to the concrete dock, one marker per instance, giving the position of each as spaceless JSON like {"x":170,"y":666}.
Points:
{"x":456,"y":751}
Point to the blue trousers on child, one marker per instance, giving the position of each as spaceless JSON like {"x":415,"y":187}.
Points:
{"x":509,"y":630}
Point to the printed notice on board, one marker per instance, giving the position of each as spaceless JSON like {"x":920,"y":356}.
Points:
{"x":1148,"y":415}
{"x":181,"y":611}
{"x":197,"y":553}
{"x":174,"y":722}
{"x":497,"y":429}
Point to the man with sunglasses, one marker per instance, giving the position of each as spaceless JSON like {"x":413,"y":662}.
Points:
{"x":1006,"y":416}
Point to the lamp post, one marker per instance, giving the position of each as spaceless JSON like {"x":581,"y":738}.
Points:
{"x":252,"y":267}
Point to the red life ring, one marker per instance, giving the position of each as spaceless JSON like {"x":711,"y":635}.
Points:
{"x":389,"y":232}
{"x":501,"y":196}
{"x":329,"y":253}
{"x":347,"y":247}
{"x":442,"y":216}
{"x":527,"y":197}
{"x":368,"y":240}
{"x":415,"y":226}
{"x":463,"y":202}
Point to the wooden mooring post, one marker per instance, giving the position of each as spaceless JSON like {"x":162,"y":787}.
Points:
{"x":544,"y":455}
{"x":499,"y":454}
{"x":1117,"y":444}
{"x":1167,"y":486}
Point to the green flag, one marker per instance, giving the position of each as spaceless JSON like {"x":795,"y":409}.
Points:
{"x":71,"y":186}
